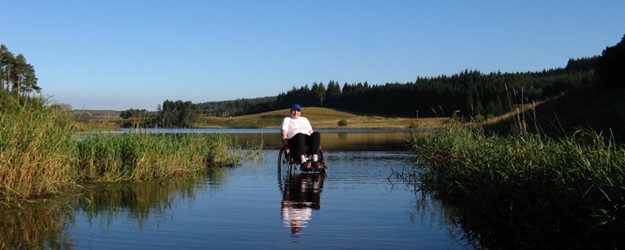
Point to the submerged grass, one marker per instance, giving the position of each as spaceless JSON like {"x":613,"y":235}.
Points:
{"x":528,"y":191}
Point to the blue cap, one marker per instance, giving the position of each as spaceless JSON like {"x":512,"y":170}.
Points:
{"x":296,"y":107}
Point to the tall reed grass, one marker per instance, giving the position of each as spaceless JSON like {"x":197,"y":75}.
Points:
{"x":37,"y":150}
{"x":526,"y":190}
{"x":140,"y":156}
{"x":40,"y":154}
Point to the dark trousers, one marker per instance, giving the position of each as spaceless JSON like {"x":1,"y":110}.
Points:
{"x":305,"y":144}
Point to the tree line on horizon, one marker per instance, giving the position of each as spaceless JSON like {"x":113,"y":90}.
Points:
{"x":171,"y":114}
{"x":469,"y":93}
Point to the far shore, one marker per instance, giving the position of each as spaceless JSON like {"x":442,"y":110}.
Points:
{"x":321,"y":118}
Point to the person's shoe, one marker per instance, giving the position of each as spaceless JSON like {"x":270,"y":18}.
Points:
{"x":316,"y":164}
{"x":305,"y":166}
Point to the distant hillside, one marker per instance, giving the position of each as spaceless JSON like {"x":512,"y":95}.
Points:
{"x":586,"y":94}
{"x":597,"y":105}
{"x":320,"y":118}
{"x":584,"y":108}
{"x":238,"y":106}
{"x":271,"y":118}
{"x":469,"y":93}
{"x":94,"y":114}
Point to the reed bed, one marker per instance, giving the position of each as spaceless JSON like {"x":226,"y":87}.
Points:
{"x":37,"y":151}
{"x":528,"y":191}
{"x":40,"y":154}
{"x":141,"y":156}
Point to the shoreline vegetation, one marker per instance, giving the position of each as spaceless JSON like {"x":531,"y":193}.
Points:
{"x":527,"y":190}
{"x":41,"y":156}
{"x":103,"y":120}
{"x":527,"y":187}
{"x":533,"y":187}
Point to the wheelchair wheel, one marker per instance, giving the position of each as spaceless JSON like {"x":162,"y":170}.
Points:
{"x":284,"y":160}
{"x":324,"y":167}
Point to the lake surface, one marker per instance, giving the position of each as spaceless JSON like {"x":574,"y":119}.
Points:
{"x":332,"y":139}
{"x":357,"y":205}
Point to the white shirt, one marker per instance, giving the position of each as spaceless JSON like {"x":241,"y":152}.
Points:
{"x":292,"y":216}
{"x":294,"y":126}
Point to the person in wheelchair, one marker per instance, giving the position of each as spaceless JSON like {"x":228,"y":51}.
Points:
{"x":298,"y":135}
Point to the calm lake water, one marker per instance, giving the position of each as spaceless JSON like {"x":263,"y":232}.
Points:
{"x":332,"y":139}
{"x":357,"y":205}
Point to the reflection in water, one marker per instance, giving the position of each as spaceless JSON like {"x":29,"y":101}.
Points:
{"x":333,"y":139}
{"x":343,"y":141}
{"x":300,"y":195}
{"x":226,"y":205}
{"x":142,"y":200}
{"x":45,"y":225}
{"x":39,"y":226}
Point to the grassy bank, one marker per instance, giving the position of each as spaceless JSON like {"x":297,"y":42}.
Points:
{"x":40,"y":154}
{"x":528,"y":191}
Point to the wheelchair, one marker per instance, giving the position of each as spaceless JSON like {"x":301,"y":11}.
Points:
{"x":290,"y":162}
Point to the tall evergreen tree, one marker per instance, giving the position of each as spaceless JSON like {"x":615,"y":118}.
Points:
{"x":16,"y":74}
{"x":319,"y":92}
{"x":333,"y":93}
{"x":7,"y":60}
{"x":23,"y":76}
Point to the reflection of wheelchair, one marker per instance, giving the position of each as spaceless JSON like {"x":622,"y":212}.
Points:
{"x":301,"y":194}
{"x":303,"y":189}
{"x":289,"y":160}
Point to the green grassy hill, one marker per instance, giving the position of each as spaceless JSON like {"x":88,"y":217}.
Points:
{"x":320,"y":118}
{"x":588,"y":107}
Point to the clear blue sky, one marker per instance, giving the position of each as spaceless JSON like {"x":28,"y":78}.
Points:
{"x":122,"y":54}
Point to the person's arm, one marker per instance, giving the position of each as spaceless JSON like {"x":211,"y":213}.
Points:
{"x":284,"y":128}
{"x":285,"y":139}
